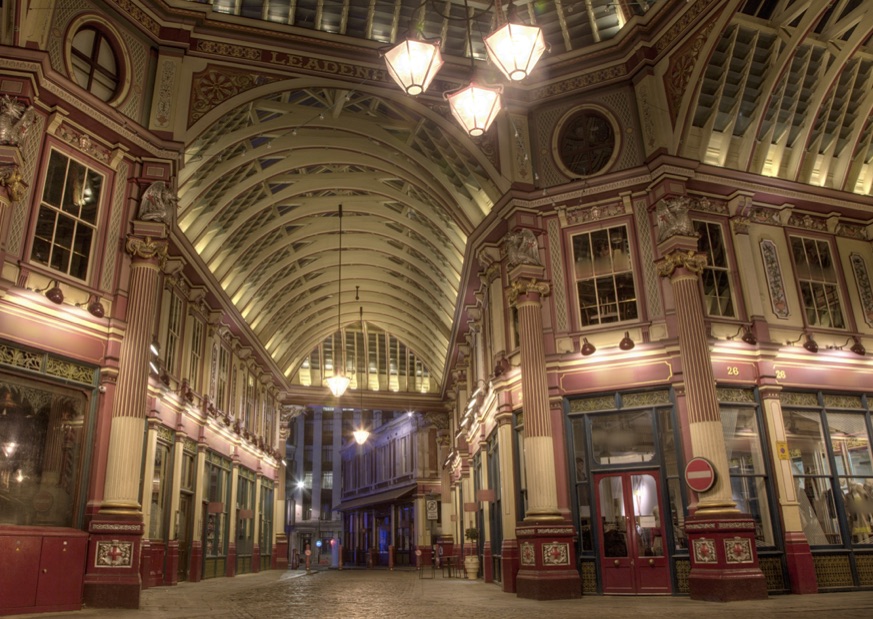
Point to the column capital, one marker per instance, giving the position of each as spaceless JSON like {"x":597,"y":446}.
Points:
{"x":689,"y":260}
{"x":526,"y":287}
{"x":12,"y":180}
{"x":147,"y":249}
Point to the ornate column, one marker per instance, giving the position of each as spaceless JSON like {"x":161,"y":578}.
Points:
{"x":113,"y":578}
{"x":545,"y":539}
{"x":724,"y":563}
{"x":505,"y":439}
{"x":801,"y":570}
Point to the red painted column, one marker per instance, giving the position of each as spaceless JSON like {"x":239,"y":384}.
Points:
{"x":724,"y":560}
{"x":113,"y":578}
{"x":547,"y":551}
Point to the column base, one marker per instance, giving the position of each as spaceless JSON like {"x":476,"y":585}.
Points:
{"x":280,"y":553}
{"x":547,"y":565}
{"x":724,"y":561}
{"x":112,"y":577}
{"x":509,"y":567}
{"x":195,"y":562}
{"x":801,"y":568}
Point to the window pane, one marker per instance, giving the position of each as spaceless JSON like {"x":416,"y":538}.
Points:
{"x":818,"y":514}
{"x":54,"y":179}
{"x":806,"y":444}
{"x":619,"y":438}
{"x":817,"y":279}
{"x":604,"y":279}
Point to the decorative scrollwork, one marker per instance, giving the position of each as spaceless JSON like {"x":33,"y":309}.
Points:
{"x":527,"y":287}
{"x":147,"y":249}
{"x":689,"y":260}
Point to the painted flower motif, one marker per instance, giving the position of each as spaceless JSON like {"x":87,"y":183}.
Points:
{"x":216,"y":87}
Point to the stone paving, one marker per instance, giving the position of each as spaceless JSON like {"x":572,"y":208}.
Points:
{"x":401,"y":594}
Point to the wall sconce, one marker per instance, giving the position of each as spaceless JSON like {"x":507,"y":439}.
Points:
{"x":53,"y":292}
{"x":626,"y":342}
{"x":857,"y":347}
{"x":94,"y":306}
{"x":748,"y":337}
{"x":587,"y":347}
{"x":810,"y":344}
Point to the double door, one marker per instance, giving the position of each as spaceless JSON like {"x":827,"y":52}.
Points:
{"x":632,"y":553}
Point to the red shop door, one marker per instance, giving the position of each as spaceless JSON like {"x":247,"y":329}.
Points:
{"x":632,"y":552}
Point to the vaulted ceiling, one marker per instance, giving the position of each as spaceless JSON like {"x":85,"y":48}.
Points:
{"x":781,"y":87}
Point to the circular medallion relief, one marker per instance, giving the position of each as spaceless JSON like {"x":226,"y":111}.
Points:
{"x":586,"y":142}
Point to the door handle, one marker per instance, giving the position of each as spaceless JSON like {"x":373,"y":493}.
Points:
{"x":617,"y":563}
{"x":652,"y":562}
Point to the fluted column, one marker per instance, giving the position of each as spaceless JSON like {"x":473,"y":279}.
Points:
{"x":539,"y":462}
{"x":547,"y":554}
{"x":707,"y":437}
{"x":121,"y":489}
{"x":724,"y":560}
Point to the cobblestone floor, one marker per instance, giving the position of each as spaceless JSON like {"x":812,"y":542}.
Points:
{"x":382,"y":594}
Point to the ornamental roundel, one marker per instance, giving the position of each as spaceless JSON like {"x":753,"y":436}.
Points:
{"x":528,"y":556}
{"x":586,"y":142}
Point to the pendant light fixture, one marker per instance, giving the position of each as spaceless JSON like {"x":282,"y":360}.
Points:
{"x":361,"y":434}
{"x":513,"y":48}
{"x":339,"y":382}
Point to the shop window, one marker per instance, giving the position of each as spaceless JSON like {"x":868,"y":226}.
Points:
{"x":41,"y":444}
{"x":745,"y":456}
{"x":817,"y":281}
{"x":67,"y":220}
{"x":265,"y":530}
{"x":604,"y":276}
{"x":715,"y":278}
{"x":831,"y":463}
{"x":218,"y":494}
{"x":159,"y":486}
{"x":95,"y":64}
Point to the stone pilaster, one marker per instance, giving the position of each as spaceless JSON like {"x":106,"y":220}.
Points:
{"x":545,"y":539}
{"x":724,"y":561}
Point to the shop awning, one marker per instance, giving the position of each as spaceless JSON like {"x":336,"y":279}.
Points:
{"x":388,"y":496}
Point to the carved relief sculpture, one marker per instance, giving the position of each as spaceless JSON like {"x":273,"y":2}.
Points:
{"x":15,"y":120}
{"x":158,"y":203}
{"x":672,"y":218}
{"x":521,"y":247}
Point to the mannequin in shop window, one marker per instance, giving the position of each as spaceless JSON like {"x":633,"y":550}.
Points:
{"x":858,"y":506}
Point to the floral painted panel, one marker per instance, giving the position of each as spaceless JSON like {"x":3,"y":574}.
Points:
{"x":864,"y":289}
{"x":774,"y":279}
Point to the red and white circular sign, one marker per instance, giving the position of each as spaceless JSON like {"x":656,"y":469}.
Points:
{"x":699,"y":474}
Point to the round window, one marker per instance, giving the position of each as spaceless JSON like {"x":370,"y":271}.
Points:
{"x":95,"y":63}
{"x":586,"y":142}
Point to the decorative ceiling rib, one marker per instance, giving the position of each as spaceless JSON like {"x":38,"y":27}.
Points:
{"x":259,"y":196}
{"x":788,"y":92}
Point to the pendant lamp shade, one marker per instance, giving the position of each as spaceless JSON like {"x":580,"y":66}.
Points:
{"x":475,"y":107}
{"x":515,"y":49}
{"x":413,"y":64}
{"x":360,"y":436}
{"x":338,"y":383}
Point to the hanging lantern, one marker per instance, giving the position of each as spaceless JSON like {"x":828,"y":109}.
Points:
{"x":413,"y":64}
{"x":338,"y":383}
{"x":475,"y":107}
{"x":515,"y":49}
{"x":360,"y":436}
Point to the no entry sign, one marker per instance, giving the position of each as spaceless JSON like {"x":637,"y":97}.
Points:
{"x":699,"y":474}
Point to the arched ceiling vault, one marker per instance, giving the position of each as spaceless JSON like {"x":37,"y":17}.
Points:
{"x":787,"y":91}
{"x":259,"y":196}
